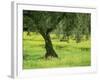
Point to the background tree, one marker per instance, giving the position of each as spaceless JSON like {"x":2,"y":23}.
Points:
{"x":82,"y":26}
{"x":74,"y":24}
{"x":68,"y":25}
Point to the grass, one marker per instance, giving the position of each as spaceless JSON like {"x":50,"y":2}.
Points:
{"x":70,"y":54}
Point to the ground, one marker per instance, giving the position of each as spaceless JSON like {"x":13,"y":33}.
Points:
{"x":70,"y":54}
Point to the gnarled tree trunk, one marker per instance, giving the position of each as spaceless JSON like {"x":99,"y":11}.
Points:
{"x":49,"y":47}
{"x":50,"y":52}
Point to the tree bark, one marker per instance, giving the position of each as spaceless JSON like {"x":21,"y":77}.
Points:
{"x":50,"y":52}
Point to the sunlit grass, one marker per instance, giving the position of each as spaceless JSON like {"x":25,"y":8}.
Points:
{"x":70,"y":54}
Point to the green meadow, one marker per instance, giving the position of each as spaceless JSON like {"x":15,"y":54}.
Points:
{"x":70,"y":54}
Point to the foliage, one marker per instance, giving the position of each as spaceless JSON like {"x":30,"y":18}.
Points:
{"x":68,"y":24}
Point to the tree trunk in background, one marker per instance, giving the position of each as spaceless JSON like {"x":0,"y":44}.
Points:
{"x":28,"y":32}
{"x":68,"y":39}
{"x":78,"y":38}
{"x":50,"y":52}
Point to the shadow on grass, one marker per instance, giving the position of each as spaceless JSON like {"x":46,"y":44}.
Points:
{"x":32,"y":57}
{"x":84,"y":49}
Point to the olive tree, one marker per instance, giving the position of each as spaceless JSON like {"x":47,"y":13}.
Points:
{"x":45,"y":22}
